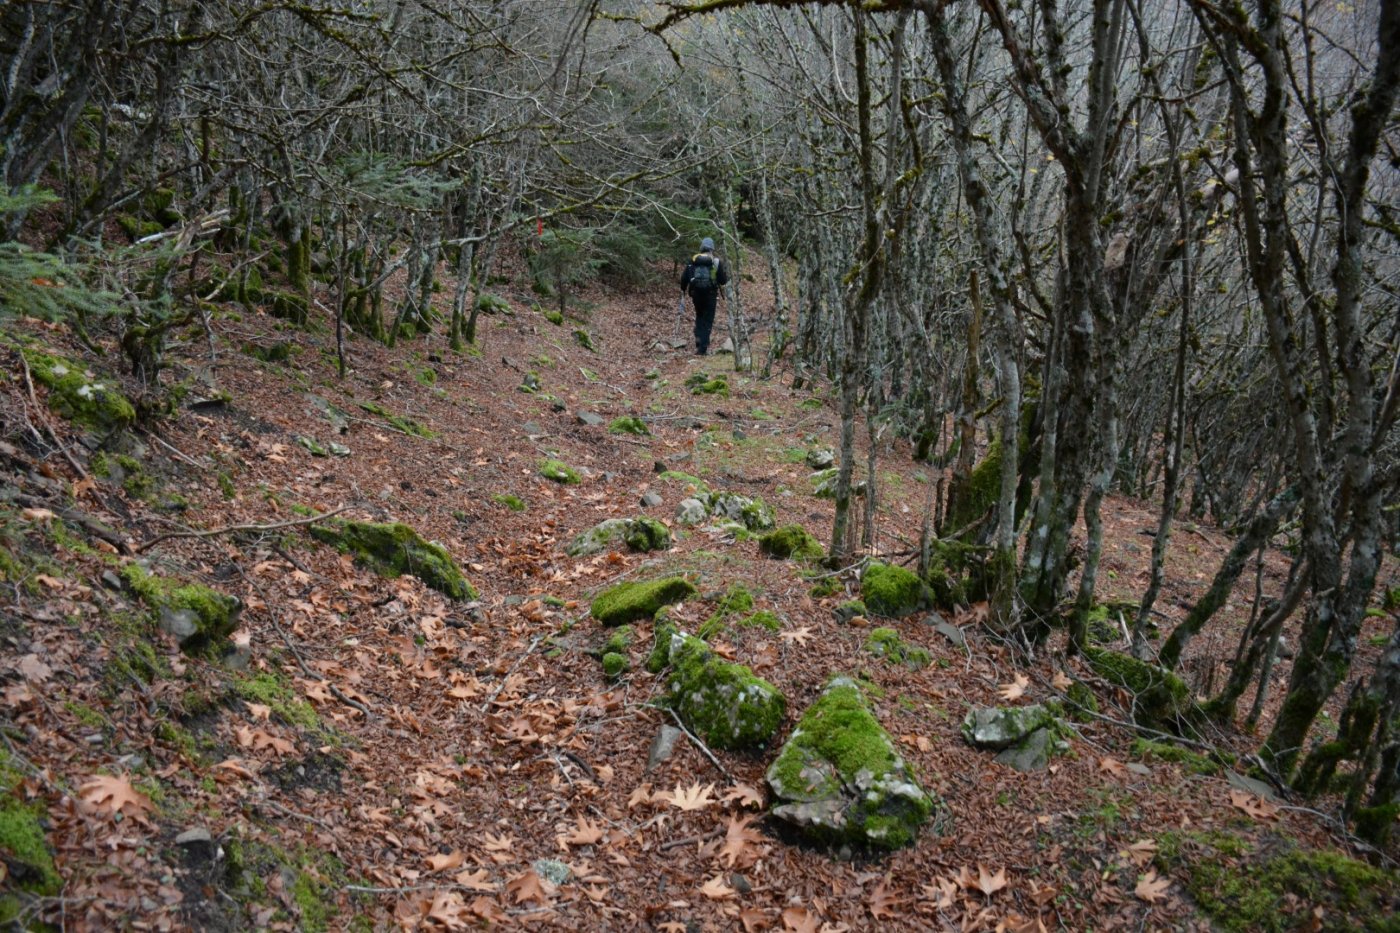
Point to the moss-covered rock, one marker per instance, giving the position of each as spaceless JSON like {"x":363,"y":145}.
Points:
{"x":840,"y":780}
{"x":753,"y":513}
{"x":619,"y":641}
{"x":639,"y":534}
{"x":395,"y":549}
{"x":584,"y":339}
{"x":952,"y":576}
{"x":200,"y":618}
{"x":629,"y":425}
{"x":1193,"y":762}
{"x":660,"y":656}
{"x":1160,"y":698}
{"x":850,"y":610}
{"x":893,"y":591}
{"x":614,"y":665}
{"x":725,"y":704}
{"x":711,"y":387}
{"x":1243,"y":890}
{"x":999,"y":727}
{"x":791,"y":542}
{"x":79,"y":395}
{"x":762,"y":619}
{"x":690,"y":483}
{"x":639,"y":599}
{"x":559,"y":471}
{"x":886,"y":643}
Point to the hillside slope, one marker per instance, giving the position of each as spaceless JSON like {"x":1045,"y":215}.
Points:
{"x":370,"y":752}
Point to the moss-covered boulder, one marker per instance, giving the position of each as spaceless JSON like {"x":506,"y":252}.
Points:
{"x":893,"y":591}
{"x":885,"y":643}
{"x":791,"y":542}
{"x":753,"y":513}
{"x":660,"y":656}
{"x":639,"y":534}
{"x":840,"y":780}
{"x":78,"y":394}
{"x":394,"y":550}
{"x":200,"y":618}
{"x":1025,"y":736}
{"x":737,"y":601}
{"x":639,"y":599}
{"x":725,"y":704}
{"x":615,"y":665}
{"x":1160,"y":698}
{"x":25,"y":853}
{"x":850,"y":610}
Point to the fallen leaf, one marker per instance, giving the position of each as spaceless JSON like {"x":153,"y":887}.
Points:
{"x":36,"y":515}
{"x":259,"y":711}
{"x":942,"y":892}
{"x":754,"y":919}
{"x":446,"y":862}
{"x":528,"y":887}
{"x":738,"y":837}
{"x":800,"y":920}
{"x":1016,"y":689}
{"x":746,"y":795}
{"x":1152,"y":889}
{"x":1257,"y":807}
{"x":983,"y":881}
{"x":475,"y":880}
{"x":1141,"y":852}
{"x":33,"y":669}
{"x":693,"y":797}
{"x":1061,"y":682}
{"x":584,"y":834}
{"x":1111,"y":766}
{"x":113,"y":794}
{"x":883,"y":903}
{"x":799,"y":636}
{"x":642,"y":794}
{"x":716,"y":890}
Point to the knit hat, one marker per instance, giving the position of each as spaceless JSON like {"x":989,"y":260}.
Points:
{"x":706,"y":245}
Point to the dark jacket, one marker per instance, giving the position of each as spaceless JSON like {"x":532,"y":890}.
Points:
{"x":720,"y":274}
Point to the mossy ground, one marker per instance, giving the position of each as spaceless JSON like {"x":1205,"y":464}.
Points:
{"x":395,"y":550}
{"x":1159,"y":696}
{"x":886,"y":643}
{"x":1244,"y":887}
{"x":633,"y":600}
{"x":272,"y":690}
{"x":629,"y":425}
{"x":89,"y":400}
{"x":737,"y":601}
{"x":216,"y":613}
{"x":560,"y":472}
{"x":398,"y":422}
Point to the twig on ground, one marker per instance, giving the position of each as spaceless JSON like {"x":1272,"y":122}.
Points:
{"x":235,"y":529}
{"x":48,"y":428}
{"x":688,"y":840}
{"x":701,"y":745}
{"x":534,"y":643}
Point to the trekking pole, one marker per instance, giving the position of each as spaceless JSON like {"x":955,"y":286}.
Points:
{"x":680,"y":312}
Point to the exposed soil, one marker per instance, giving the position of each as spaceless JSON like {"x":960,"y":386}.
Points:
{"x":459,"y":744}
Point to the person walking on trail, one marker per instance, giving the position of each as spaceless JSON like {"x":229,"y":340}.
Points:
{"x":702,"y":279}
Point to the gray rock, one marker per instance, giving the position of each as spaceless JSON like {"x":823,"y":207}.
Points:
{"x":1032,"y":753}
{"x":591,"y":419}
{"x":755,"y":514}
{"x":636,"y":534}
{"x":182,"y":623}
{"x":531,"y":429}
{"x":194,"y":837}
{"x":112,"y":581}
{"x":691,"y":512}
{"x":727,"y":346}
{"x":951,"y":632}
{"x":553,"y":871}
{"x":339,"y":450}
{"x":1285,"y":650}
{"x":723,"y":703}
{"x":1253,"y":785}
{"x":651,"y":500}
{"x":822,"y":459}
{"x":663,"y":746}
{"x":998,"y":727}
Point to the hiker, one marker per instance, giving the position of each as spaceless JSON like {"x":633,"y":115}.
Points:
{"x":702,"y":278}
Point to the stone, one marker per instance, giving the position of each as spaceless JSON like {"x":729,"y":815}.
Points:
{"x":182,"y":623}
{"x":531,"y":429}
{"x":591,"y":419}
{"x":951,"y":632}
{"x":1000,"y":727}
{"x":820,"y":459}
{"x":726,"y":346}
{"x":200,"y":618}
{"x":651,"y":500}
{"x":193,"y":838}
{"x":840,"y":780}
{"x":633,"y":600}
{"x":893,"y":591}
{"x":338,"y":450}
{"x":394,"y":550}
{"x":663,"y":746}
{"x":1032,"y":753}
{"x":755,"y":514}
{"x":691,"y":511}
{"x":725,"y":704}
{"x":636,"y":534}
{"x":791,"y":542}
{"x":1285,"y":650}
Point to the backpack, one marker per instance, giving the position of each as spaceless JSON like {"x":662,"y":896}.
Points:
{"x":702,"y":279}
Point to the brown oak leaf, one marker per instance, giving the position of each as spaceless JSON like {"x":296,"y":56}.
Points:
{"x":112,"y":794}
{"x":1152,"y":889}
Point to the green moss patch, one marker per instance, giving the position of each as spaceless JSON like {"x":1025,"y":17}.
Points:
{"x":893,"y":591}
{"x":272,"y":690}
{"x":762,"y":619}
{"x":1242,"y":889}
{"x":397,"y":422}
{"x":514,"y":503}
{"x":24,"y":849}
{"x":79,"y":395}
{"x":791,"y":542}
{"x":1159,"y":696}
{"x":201,"y":618}
{"x":725,"y":704}
{"x":396,"y":549}
{"x":737,"y":601}
{"x":629,"y":425}
{"x":691,"y":483}
{"x":886,"y":643}
{"x":559,"y":472}
{"x":1194,"y":762}
{"x":840,"y":780}
{"x":638,"y":599}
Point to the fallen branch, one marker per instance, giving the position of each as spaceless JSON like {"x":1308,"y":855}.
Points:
{"x":77,"y":517}
{"x":701,"y":745}
{"x":688,"y":840}
{"x":235,"y":529}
